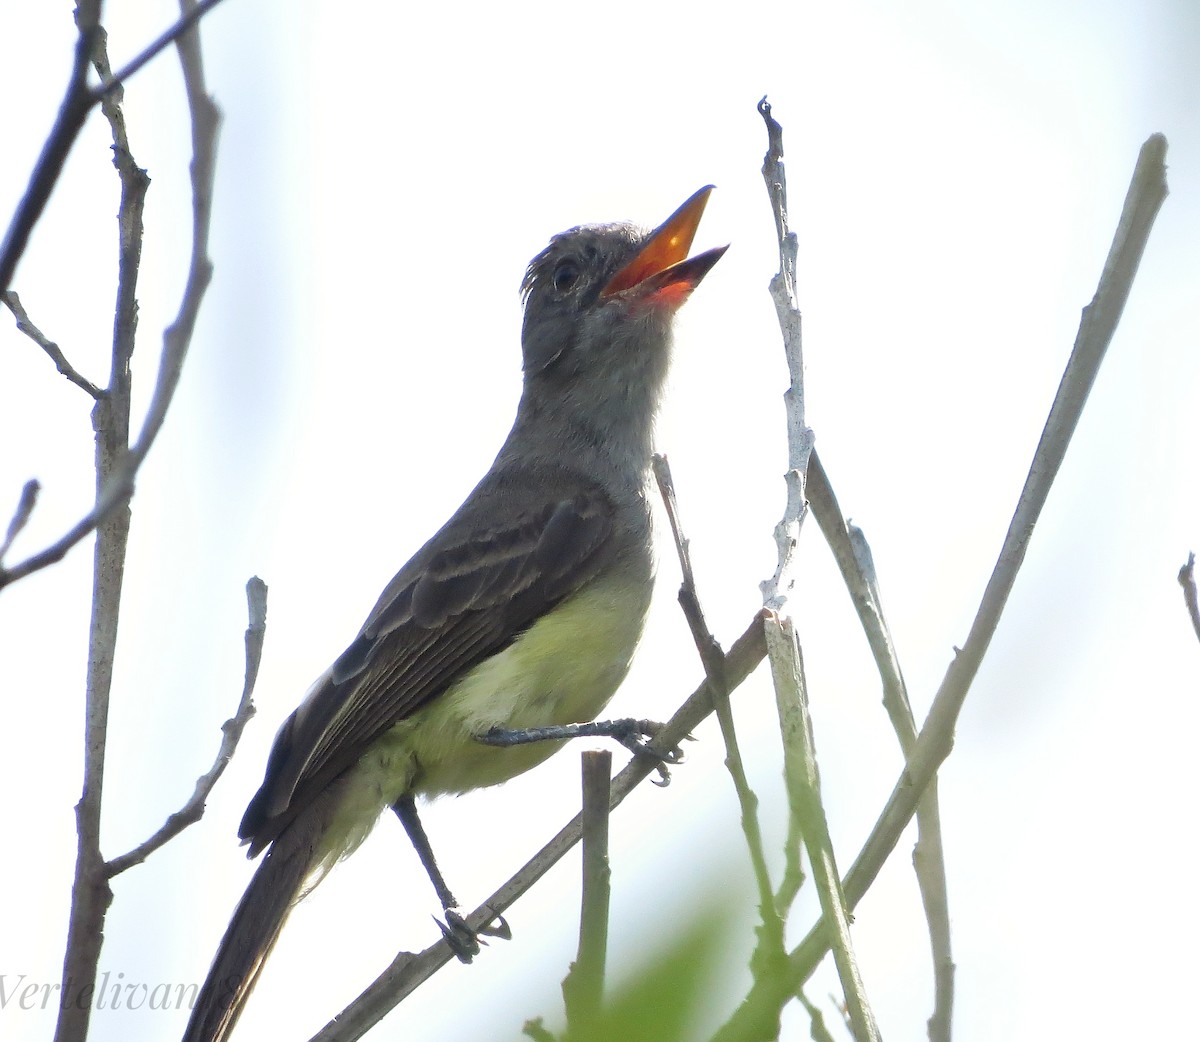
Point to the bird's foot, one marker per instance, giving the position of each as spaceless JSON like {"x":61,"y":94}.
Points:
{"x":465,"y":942}
{"x":633,"y":734}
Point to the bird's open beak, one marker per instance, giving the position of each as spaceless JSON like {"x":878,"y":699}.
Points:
{"x":662,"y":272}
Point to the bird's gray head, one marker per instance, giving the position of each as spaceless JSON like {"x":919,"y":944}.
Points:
{"x":599,"y":302}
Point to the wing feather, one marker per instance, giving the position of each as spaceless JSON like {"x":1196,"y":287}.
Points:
{"x":468,"y":594}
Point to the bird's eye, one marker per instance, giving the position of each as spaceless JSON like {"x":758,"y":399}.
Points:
{"x":565,"y":275}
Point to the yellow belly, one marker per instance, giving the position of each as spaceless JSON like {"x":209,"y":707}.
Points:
{"x":563,"y":669}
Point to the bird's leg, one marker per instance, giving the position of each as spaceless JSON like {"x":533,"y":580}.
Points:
{"x":632,"y":734}
{"x":463,"y":941}
{"x":406,"y":810}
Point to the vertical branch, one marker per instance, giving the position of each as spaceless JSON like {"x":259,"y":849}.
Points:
{"x":804,"y":798}
{"x":853,"y":556}
{"x":770,"y":948}
{"x":205,"y":122}
{"x":806,"y":815}
{"x":1147,"y":190}
{"x":1187,"y":579}
{"x":91,"y":894}
{"x":116,"y":463}
{"x":583,"y":987}
{"x":787,"y":308}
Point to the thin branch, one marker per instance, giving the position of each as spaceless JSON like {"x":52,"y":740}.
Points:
{"x":770,"y":937}
{"x":787,"y":308}
{"x":853,"y":556}
{"x":806,"y":816}
{"x":72,"y":112}
{"x":116,"y":465}
{"x":114,"y":495}
{"x":711,"y":655}
{"x":583,"y":987}
{"x":804,"y":797}
{"x":231,"y":733}
{"x":118,"y":487}
{"x":21,"y":515}
{"x":110,"y":83}
{"x":793,"y":870}
{"x":91,"y":894}
{"x":854,"y":561}
{"x":24,"y":325}
{"x":409,"y":970}
{"x":76,"y":104}
{"x":205,"y":124}
{"x":1187,"y":579}
{"x":817,"y":1031}
{"x":1147,"y":191}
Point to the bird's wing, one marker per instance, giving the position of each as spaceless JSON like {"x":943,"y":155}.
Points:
{"x":469,"y":593}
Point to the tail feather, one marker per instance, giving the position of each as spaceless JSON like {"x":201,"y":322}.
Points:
{"x":257,"y":922}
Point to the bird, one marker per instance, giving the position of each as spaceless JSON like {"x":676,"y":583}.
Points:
{"x":513,"y":626}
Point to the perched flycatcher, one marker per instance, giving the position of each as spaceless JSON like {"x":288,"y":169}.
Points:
{"x":521,"y":613}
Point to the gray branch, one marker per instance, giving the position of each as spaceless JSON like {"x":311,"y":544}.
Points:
{"x":231,"y":733}
{"x":853,"y":556}
{"x":1147,"y":191}
{"x":20,"y":518}
{"x":1187,"y":579}
{"x":24,"y":325}
{"x":117,"y":488}
{"x":583,"y":987}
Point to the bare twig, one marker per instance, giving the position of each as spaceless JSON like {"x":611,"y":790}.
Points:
{"x":817,"y":1030}
{"x":787,"y":307}
{"x":205,"y":123}
{"x":231,"y":733}
{"x":13,"y":302}
{"x":71,"y":113}
{"x":1146,"y":193}
{"x":21,"y":515}
{"x":710,"y":651}
{"x":111,"y":83}
{"x":770,"y":936}
{"x":115,"y":494}
{"x":90,"y":894}
{"x":804,"y":797}
{"x":806,"y":815}
{"x":76,"y":104}
{"x":118,"y":486}
{"x":116,"y":465}
{"x":409,"y":970}
{"x":853,"y":556}
{"x":1187,"y":579}
{"x":583,"y":987}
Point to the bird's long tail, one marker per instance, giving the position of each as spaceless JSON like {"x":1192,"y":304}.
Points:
{"x":258,"y":920}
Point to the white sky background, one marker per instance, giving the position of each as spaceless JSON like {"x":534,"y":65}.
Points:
{"x":385,"y":175}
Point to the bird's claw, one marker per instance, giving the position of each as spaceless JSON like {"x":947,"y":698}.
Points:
{"x":636,"y":741}
{"x":465,"y":942}
{"x":497,"y":927}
